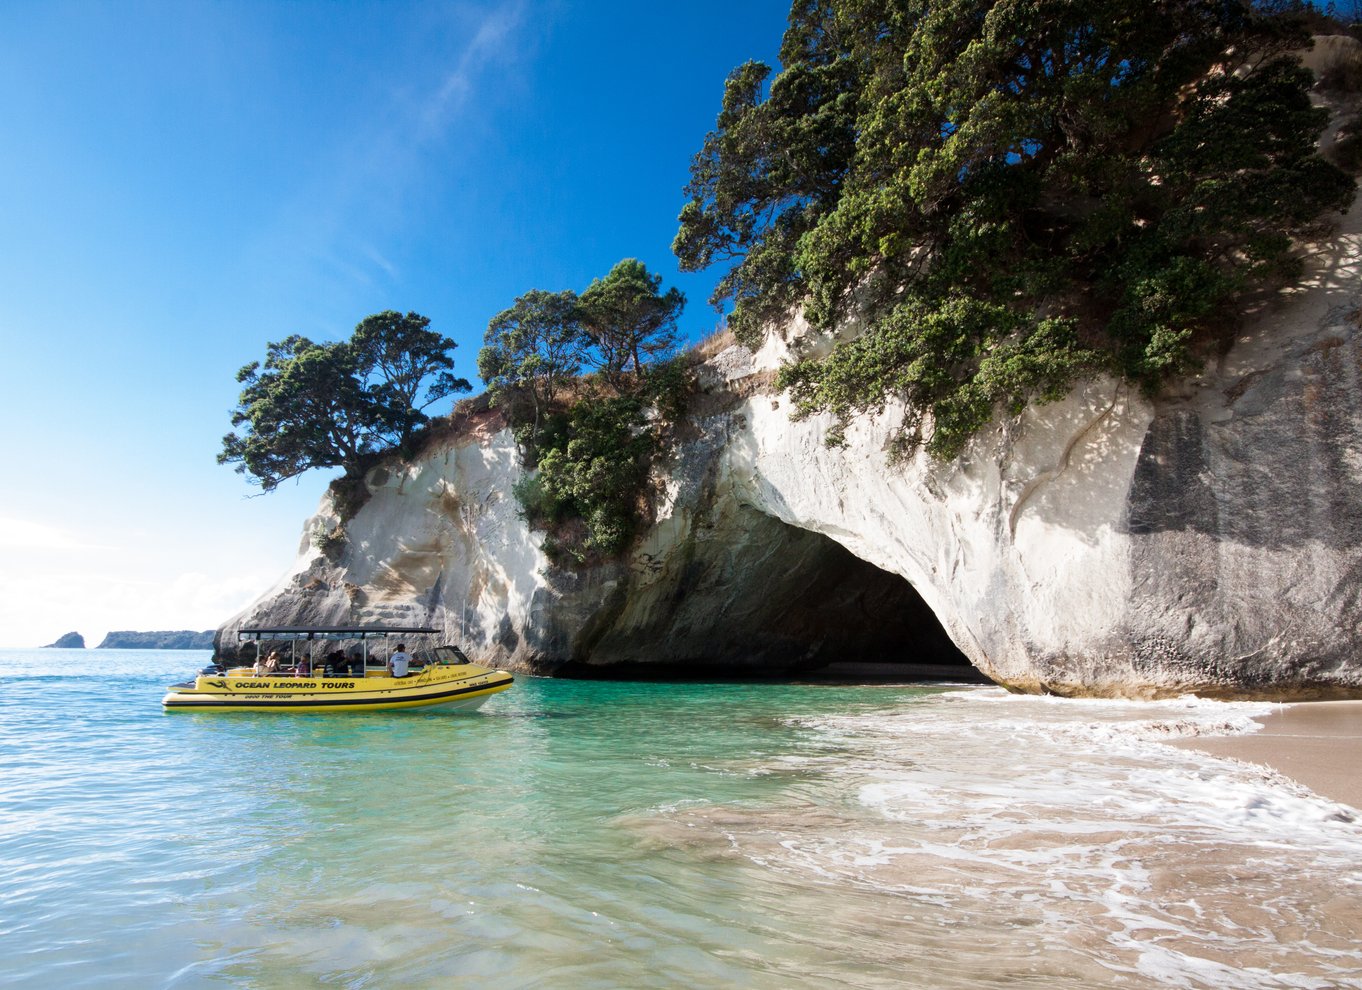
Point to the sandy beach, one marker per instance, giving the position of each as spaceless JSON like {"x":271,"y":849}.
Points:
{"x":1318,"y":744}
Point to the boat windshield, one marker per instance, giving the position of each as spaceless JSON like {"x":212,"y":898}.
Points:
{"x":447,"y":655}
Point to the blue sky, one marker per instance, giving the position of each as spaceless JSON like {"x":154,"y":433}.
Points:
{"x":182,"y":182}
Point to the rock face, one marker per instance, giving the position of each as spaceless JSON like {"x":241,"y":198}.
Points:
{"x":1207,"y":541}
{"x":717,"y":586}
{"x":71,"y":641}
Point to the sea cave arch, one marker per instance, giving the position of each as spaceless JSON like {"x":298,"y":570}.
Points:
{"x":752,"y":596}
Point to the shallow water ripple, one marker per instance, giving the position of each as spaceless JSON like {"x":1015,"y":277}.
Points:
{"x":644,"y":835}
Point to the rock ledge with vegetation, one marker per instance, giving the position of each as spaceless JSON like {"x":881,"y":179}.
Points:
{"x":1106,"y":544}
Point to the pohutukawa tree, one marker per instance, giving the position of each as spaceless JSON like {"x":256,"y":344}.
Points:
{"x":628,"y":319}
{"x":1009,"y":194}
{"x":593,"y":447}
{"x":320,"y":405}
{"x":407,"y":366}
{"x":532,"y":350}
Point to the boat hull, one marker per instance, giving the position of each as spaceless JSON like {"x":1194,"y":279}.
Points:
{"x":462,"y":688}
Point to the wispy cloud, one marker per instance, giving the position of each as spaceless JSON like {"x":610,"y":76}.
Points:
{"x":363,"y":188}
{"x":492,"y":42}
{"x":26,"y":534}
{"x":380,"y":262}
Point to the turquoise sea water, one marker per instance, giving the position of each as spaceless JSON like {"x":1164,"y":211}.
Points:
{"x":576,"y":834}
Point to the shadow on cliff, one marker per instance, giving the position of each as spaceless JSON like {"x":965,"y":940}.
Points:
{"x":780,"y":603}
{"x":1265,"y":454}
{"x":1279,"y":473}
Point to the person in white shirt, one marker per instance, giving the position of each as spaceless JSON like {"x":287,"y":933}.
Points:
{"x":397,"y":663}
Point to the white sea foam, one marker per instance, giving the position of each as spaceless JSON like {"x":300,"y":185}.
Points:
{"x":1167,"y":866}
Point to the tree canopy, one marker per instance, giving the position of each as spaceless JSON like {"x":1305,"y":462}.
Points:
{"x":407,"y":366}
{"x":1008,"y":193}
{"x":619,"y":325}
{"x":320,"y":405}
{"x":593,"y":443}
{"x":532,"y":350}
{"x":628,"y":319}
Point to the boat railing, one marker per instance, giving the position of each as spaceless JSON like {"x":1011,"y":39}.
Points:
{"x":342,"y":652}
{"x":441,"y":656}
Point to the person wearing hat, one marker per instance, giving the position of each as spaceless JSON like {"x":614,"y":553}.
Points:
{"x":397,"y":663}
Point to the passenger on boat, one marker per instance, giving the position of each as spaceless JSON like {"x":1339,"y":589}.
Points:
{"x":272,"y":662}
{"x":397,"y":663}
{"x":304,"y":667}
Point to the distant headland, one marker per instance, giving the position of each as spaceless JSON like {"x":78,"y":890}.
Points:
{"x":178,"y":639}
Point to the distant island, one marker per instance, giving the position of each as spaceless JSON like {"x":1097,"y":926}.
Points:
{"x":71,"y":641}
{"x":178,"y":639}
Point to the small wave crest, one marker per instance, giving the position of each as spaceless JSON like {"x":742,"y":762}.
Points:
{"x":1165,"y":864}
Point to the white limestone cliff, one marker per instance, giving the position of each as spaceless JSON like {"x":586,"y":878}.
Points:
{"x":1109,"y":544}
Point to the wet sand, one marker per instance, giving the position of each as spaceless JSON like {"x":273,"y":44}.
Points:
{"x":1317,"y":743}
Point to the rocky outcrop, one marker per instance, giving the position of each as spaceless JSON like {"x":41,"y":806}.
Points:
{"x":1105,"y":545}
{"x":1209,"y":540}
{"x":71,"y":641}
{"x":716,"y":586}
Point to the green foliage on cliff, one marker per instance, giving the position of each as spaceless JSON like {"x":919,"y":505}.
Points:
{"x":532,"y":352}
{"x":628,"y":319}
{"x":590,"y":492}
{"x":593,"y":465}
{"x":406,"y":367}
{"x":591,"y":441}
{"x":535,"y":350}
{"x":1008,"y":195}
{"x":320,"y":405}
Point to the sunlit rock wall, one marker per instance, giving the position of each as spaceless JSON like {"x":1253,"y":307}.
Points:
{"x":715,"y":586}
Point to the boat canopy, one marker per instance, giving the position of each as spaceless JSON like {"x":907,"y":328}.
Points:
{"x":333,"y":632}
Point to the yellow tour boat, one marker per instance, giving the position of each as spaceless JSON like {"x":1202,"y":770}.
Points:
{"x":325,"y":676}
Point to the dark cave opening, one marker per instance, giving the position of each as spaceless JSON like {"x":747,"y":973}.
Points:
{"x":777,"y":602}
